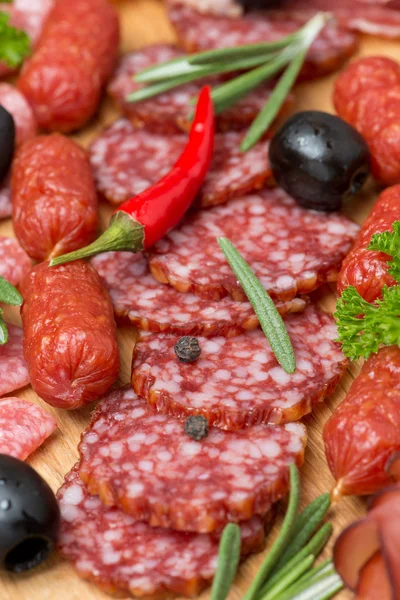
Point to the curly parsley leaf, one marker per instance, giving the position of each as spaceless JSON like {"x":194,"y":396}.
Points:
{"x":362,"y":326}
{"x":15,"y":44}
{"x":8,"y":295}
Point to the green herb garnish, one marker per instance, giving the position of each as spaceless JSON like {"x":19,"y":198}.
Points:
{"x":228,"y":561}
{"x":8,"y":295}
{"x":15,"y":44}
{"x":270,"y":320}
{"x":362,"y":326}
{"x":265,"y":60}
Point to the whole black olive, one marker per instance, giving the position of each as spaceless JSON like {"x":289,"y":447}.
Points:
{"x":7,"y":141}
{"x":29,"y":516}
{"x":319,"y":159}
{"x":249,"y":5}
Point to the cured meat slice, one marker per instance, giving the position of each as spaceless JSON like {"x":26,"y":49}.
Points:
{"x":5,"y":199}
{"x":14,"y":262}
{"x":16,"y":104}
{"x":13,"y":368}
{"x":362,"y":437}
{"x":291,"y":249}
{"x":204,"y":31}
{"x":152,"y":306}
{"x":122,"y":555}
{"x":28,"y":15}
{"x":134,"y":458}
{"x":126,"y":161}
{"x":169,"y":112}
{"x":24,"y":426}
{"x":237,"y":382}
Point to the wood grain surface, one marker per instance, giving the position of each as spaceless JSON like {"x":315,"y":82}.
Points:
{"x":144,"y":22}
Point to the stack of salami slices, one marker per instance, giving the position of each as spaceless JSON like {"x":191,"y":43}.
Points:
{"x":169,"y":460}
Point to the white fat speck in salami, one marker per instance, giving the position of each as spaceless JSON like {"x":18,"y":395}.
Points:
{"x":13,"y":368}
{"x":127,"y":160}
{"x":24,"y":426}
{"x":237,"y":382}
{"x":153,"y":306}
{"x":5,"y":199}
{"x":291,"y":249}
{"x":197,"y":31}
{"x":16,"y":104}
{"x":169,"y":112}
{"x":14,"y":261}
{"x":28,"y":15}
{"x":122,"y":555}
{"x":227,"y":476}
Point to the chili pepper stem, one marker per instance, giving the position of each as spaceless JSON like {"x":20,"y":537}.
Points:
{"x":124,"y":233}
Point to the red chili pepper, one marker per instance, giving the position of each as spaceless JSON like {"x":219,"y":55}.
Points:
{"x":141,"y":221}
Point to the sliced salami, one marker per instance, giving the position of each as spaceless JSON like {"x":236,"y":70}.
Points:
{"x":13,"y":368}
{"x":133,"y":457}
{"x":16,"y":104}
{"x":28,"y":15}
{"x":291,"y":249}
{"x":152,"y":306}
{"x":380,"y":17}
{"x":5,"y":199}
{"x":14,"y":262}
{"x":127,"y":160}
{"x":122,"y":555}
{"x":24,"y":426}
{"x":237,"y":382}
{"x":169,"y":112}
{"x":198,"y":31}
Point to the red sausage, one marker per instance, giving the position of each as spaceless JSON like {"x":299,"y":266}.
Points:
{"x":77,"y":50}
{"x":70,"y":341}
{"x":54,"y":197}
{"x":368,"y":270}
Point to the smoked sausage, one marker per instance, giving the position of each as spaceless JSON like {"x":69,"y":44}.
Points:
{"x":54,"y":197}
{"x":76,"y":53}
{"x":70,"y":341}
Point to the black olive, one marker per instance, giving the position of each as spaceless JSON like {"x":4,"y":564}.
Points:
{"x":187,"y":349}
{"x":7,"y":141}
{"x":319,"y":159}
{"x":29,"y":516}
{"x":249,"y":5}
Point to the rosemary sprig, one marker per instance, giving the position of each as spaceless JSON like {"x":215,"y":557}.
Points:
{"x":228,"y":560}
{"x":265,"y":60}
{"x":8,"y":295}
{"x":270,"y":320}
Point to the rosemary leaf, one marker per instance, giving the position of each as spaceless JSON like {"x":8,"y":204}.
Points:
{"x":238,"y":52}
{"x":322,"y":588}
{"x":285,"y":582}
{"x":228,"y":560}
{"x":270,"y":320}
{"x":8,"y":293}
{"x":315,"y":574}
{"x":283,"y":537}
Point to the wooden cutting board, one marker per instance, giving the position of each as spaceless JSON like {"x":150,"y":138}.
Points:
{"x":144,"y":22}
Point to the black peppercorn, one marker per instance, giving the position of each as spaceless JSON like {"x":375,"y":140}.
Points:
{"x":196,"y":427}
{"x":187,"y":349}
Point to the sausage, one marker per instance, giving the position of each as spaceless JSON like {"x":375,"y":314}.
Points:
{"x":368,"y":270}
{"x":362,"y":438}
{"x":76,"y":53}
{"x":70,"y":340}
{"x":54,"y":197}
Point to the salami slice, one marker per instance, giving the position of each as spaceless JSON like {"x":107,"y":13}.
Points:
{"x":122,"y":555}
{"x":5,"y":199}
{"x":16,"y":104}
{"x":14,"y":262}
{"x":237,"y":382}
{"x":13,"y":368}
{"x":169,"y":112}
{"x":198,"y":31}
{"x":152,"y":306}
{"x":28,"y":15}
{"x":291,"y":249}
{"x":127,"y":160}
{"x":24,"y":427}
{"x":133,"y":457}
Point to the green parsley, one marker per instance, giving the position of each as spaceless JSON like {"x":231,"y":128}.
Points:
{"x":15,"y":44}
{"x":362,"y":326}
{"x":8,"y":295}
